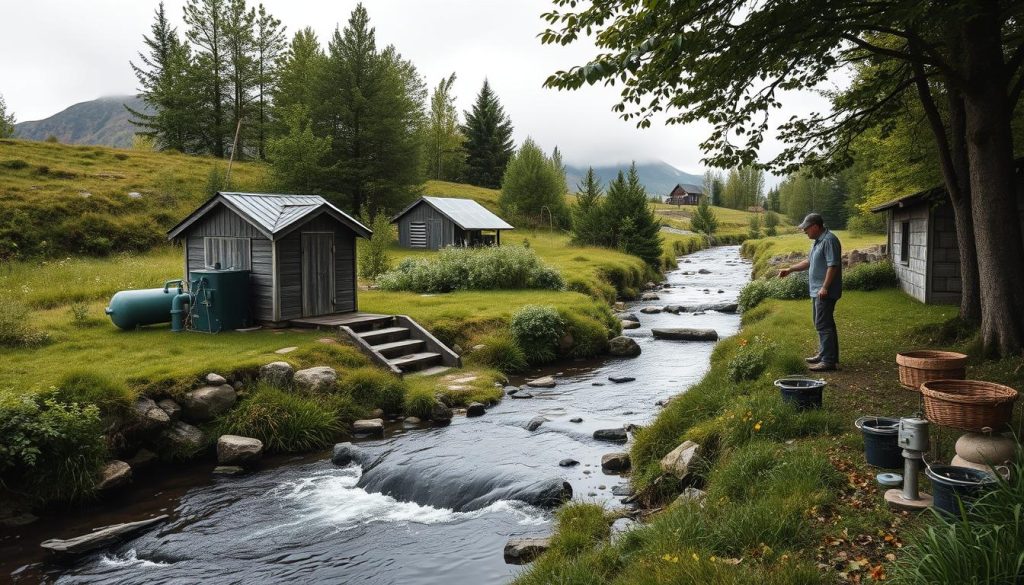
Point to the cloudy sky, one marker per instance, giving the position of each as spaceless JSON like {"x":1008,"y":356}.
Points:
{"x":57,"y":53}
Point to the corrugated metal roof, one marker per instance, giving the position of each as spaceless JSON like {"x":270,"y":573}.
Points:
{"x":272,"y":214}
{"x":468,"y":214}
{"x":691,"y":188}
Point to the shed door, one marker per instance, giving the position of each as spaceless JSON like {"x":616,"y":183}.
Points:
{"x":317,"y":274}
{"x":436,"y":235}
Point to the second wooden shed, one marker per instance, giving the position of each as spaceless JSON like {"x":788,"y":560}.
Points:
{"x":435,"y":222}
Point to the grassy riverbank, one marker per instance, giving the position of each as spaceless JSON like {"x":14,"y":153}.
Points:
{"x":789,"y":497}
{"x":762,"y":250}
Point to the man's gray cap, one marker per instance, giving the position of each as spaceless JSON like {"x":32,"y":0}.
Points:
{"x":812,"y":219}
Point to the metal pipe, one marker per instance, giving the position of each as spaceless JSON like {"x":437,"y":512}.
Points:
{"x":168,"y":284}
{"x":911,"y":467}
{"x":177,"y":312}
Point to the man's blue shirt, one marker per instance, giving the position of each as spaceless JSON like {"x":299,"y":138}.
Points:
{"x":825,"y":251}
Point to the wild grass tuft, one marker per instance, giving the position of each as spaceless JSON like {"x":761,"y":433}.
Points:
{"x":538,"y":331}
{"x":85,"y":387}
{"x":501,"y":352}
{"x":374,"y":388}
{"x":284,"y":421}
{"x":16,"y":329}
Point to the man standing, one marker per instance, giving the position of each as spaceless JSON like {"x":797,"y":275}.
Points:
{"x":825,"y":279}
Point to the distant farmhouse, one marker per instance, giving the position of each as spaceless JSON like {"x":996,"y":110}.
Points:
{"x":922,"y":242}
{"x":685,"y":194}
{"x":436,"y":222}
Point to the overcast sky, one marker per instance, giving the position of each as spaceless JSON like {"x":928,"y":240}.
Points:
{"x":57,"y":53}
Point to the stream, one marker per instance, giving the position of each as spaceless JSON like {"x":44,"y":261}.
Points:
{"x":436,"y":503}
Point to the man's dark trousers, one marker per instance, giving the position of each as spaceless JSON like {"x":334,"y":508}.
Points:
{"x":823,"y":313}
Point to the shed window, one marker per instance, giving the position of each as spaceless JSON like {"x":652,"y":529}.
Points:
{"x":417,"y":234}
{"x":905,"y":242}
{"x":232,"y":253}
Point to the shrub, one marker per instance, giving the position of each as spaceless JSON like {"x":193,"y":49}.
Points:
{"x":871,"y":276}
{"x":867,"y":223}
{"x":499,"y":267}
{"x":284,"y":421}
{"x":85,"y":388}
{"x":590,"y":336}
{"x":15,"y":164}
{"x":793,"y":287}
{"x":15,"y":330}
{"x":751,"y":359}
{"x":501,"y":352}
{"x":537,"y":330}
{"x":50,"y":450}
{"x":375,"y":388}
{"x":374,"y":259}
{"x":79,"y":314}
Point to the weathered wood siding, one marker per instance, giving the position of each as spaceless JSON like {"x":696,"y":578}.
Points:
{"x":424,"y":213}
{"x":944,"y":255}
{"x":224,"y":223}
{"x":912,"y":271}
{"x":289,"y":267}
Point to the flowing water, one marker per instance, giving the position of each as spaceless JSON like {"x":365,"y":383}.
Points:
{"x":428,"y":504}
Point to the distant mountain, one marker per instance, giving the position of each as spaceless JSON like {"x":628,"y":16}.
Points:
{"x":657,"y":177}
{"x":102,"y":122}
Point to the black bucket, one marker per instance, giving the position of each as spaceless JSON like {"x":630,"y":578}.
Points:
{"x":950,"y":483}
{"x":880,"y":447}
{"x":803,"y":393}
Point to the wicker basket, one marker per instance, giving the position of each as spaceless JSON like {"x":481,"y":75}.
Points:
{"x":918,"y":367}
{"x":969,"y":405}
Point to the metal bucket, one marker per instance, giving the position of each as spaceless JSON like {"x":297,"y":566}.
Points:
{"x":952,"y":485}
{"x":880,"y":446}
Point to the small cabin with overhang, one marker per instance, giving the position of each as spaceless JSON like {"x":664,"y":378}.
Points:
{"x":300,"y":251}
{"x":685,"y":194}
{"x":433,"y":223}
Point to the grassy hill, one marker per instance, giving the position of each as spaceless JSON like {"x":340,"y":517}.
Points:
{"x":731,"y":222}
{"x":60,"y":199}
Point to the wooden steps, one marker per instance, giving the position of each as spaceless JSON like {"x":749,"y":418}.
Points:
{"x":396,"y":342}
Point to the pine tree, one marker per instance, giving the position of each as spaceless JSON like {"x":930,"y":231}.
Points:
{"x":489,"y":144}
{"x":269,"y":44}
{"x":704,"y":220}
{"x":717,"y":190}
{"x":298,"y":77}
{"x":239,"y":21}
{"x":447,"y":157}
{"x":588,"y":224}
{"x":559,"y":166}
{"x":6,"y":120}
{"x":771,"y":222}
{"x":206,"y":23}
{"x":632,"y":223}
{"x":297,"y":157}
{"x":532,"y":187}
{"x":755,"y":226}
{"x":166,"y":86}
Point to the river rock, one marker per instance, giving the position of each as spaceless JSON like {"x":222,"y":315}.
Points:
{"x":679,"y":460}
{"x":207,"y":402}
{"x":674,"y":309}
{"x":182,"y":437}
{"x":649,"y":296}
{"x":148,"y":415}
{"x":986,"y":449}
{"x":622,"y":489}
{"x":142,"y":459}
{"x":236,"y":450}
{"x":691,"y":494}
{"x":114,"y":475}
{"x":627,"y":317}
{"x":317,"y":378}
{"x":279,"y":373}
{"x":576,"y":419}
{"x":685,"y":334}
{"x":522,"y":395}
{"x":703,"y":271}
{"x":619,"y":306}
{"x":510,"y":390}
{"x":215,"y":379}
{"x":568,"y":462}
{"x":621,"y":527}
{"x":615,"y":461}
{"x":543,"y":382}
{"x":535,"y":423}
{"x":621,"y":379}
{"x":345,"y":454}
{"x":519,"y":551}
{"x":172,"y":408}
{"x":623,"y":346}
{"x":440,"y":412}
{"x":370,"y":426}
{"x":411,"y":420}
{"x":228,"y":470}
{"x":613,"y":435}
{"x":476,"y":409}
{"x":629,"y":324}
{"x":99,"y":538}
{"x":650,"y":310}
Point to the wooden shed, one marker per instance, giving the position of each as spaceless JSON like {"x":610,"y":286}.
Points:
{"x":300,"y":249}
{"x":435,"y":222}
{"x":922,"y":242}
{"x":685,"y":194}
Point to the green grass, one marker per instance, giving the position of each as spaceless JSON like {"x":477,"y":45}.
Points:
{"x":762,"y":250}
{"x":731,"y":222}
{"x":787,"y":491}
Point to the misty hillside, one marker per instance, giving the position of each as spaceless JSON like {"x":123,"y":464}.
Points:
{"x":657,"y":177}
{"x":102,"y":122}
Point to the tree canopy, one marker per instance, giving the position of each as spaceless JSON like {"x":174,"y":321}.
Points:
{"x":489,"y":145}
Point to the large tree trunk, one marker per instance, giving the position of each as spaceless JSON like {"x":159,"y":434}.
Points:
{"x":997,"y":227}
{"x":970,"y":293}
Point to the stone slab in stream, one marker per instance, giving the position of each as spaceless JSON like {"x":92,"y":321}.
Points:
{"x":613,"y":435}
{"x":520,"y":551}
{"x":543,"y":382}
{"x":685,"y":334}
{"x":621,"y":379}
{"x":98,"y":538}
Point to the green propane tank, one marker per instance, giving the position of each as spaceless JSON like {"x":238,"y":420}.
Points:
{"x":129,"y":309}
{"x":221,"y":300}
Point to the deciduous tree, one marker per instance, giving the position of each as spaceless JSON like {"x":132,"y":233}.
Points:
{"x":447,"y":157}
